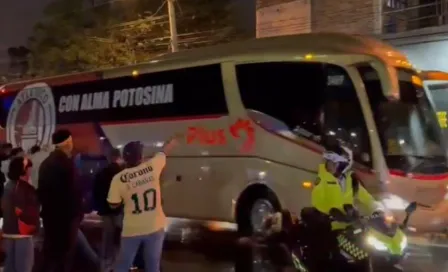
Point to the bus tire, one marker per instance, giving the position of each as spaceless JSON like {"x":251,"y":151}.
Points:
{"x":257,"y":195}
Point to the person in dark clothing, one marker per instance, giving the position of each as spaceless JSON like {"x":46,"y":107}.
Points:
{"x":34,"y":149}
{"x":16,"y":152}
{"x":112,"y":218}
{"x":10,"y":153}
{"x":21,"y":217}
{"x":5,"y":150}
{"x":61,"y":202}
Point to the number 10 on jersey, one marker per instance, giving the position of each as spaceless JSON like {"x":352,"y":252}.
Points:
{"x":149,"y":199}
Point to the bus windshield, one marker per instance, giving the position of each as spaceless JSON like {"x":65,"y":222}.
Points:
{"x":439,"y":94}
{"x":407,"y":125}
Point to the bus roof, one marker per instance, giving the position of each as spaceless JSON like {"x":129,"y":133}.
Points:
{"x":434,"y":75}
{"x":303,"y":44}
{"x":295,"y":45}
{"x":53,"y":81}
{"x":310,"y":43}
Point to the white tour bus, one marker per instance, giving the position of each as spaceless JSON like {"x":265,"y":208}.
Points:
{"x":254,"y":114}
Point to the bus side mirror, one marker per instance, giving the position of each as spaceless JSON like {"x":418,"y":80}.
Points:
{"x":412,"y":207}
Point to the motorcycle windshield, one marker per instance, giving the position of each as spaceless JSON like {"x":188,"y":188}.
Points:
{"x":382,"y":226}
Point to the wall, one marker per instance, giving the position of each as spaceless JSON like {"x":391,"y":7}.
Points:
{"x":283,"y":18}
{"x":429,"y":55}
{"x":426,"y":48}
{"x":351,"y":16}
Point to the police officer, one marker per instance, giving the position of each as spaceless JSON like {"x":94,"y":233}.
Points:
{"x":336,"y":188}
{"x":336,"y":185}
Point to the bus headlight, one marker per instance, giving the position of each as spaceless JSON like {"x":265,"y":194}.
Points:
{"x":375,"y":243}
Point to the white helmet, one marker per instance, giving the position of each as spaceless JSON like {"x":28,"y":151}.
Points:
{"x":340,"y":155}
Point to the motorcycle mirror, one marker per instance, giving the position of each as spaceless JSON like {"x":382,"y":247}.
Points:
{"x":412,"y":207}
{"x":409,"y":210}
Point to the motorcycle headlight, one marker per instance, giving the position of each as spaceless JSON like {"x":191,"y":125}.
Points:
{"x":404,"y":243}
{"x":375,"y":243}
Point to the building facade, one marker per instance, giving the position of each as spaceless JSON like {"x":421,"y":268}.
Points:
{"x":417,"y":27}
{"x":303,"y":16}
{"x":424,"y":34}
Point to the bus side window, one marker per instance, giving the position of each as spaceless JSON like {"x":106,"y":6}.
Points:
{"x":344,"y":119}
{"x":290,"y":92}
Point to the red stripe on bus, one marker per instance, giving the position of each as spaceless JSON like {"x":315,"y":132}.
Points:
{"x":419,"y":176}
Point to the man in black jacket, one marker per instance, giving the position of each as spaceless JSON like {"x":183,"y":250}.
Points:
{"x":112,"y":218}
{"x":5,"y":150}
{"x":61,"y":205}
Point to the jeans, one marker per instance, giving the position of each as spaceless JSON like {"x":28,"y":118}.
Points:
{"x":152,"y":251}
{"x":86,"y":249}
{"x":110,"y":242}
{"x":19,"y":254}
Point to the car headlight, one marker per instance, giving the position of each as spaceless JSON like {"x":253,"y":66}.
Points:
{"x":404,"y":243}
{"x":375,"y":243}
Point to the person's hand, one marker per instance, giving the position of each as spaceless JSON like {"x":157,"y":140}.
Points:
{"x":178,"y":137}
{"x":172,"y":142}
{"x":273,"y":223}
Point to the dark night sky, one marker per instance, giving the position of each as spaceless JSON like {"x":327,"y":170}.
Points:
{"x":18,"y":17}
{"x":16,"y":22}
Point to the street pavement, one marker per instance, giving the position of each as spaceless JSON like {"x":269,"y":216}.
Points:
{"x":211,"y":246}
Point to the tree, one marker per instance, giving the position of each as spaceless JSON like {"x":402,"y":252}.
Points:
{"x":73,"y":37}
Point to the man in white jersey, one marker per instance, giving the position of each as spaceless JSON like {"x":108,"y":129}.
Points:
{"x":138,"y":188}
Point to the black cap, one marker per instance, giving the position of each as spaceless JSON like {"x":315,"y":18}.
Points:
{"x":15,"y":151}
{"x":60,"y":136}
{"x":17,"y":166}
{"x":132,"y":153}
{"x":114,"y":154}
{"x":6,"y":145}
{"x":34,"y":149}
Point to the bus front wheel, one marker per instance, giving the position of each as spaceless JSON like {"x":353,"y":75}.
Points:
{"x":254,"y":204}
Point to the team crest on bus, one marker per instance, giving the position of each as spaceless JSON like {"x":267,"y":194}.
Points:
{"x":32,"y":117}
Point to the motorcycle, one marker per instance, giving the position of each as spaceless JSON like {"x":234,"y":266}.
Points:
{"x":369,"y":243}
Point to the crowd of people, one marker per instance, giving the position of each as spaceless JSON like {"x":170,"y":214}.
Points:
{"x":44,"y":185}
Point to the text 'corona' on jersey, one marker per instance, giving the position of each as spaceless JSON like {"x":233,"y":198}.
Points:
{"x":141,"y":96}
{"x":130,"y":176}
